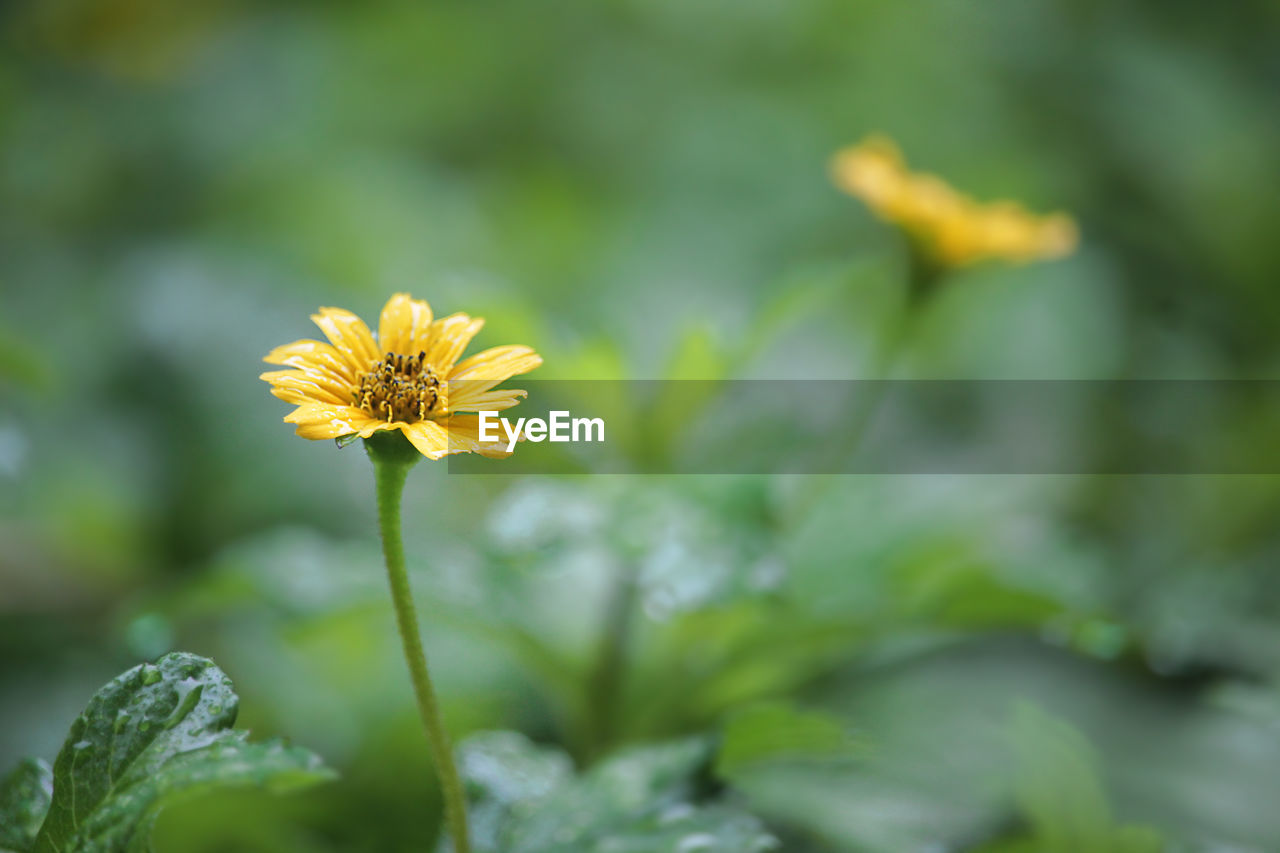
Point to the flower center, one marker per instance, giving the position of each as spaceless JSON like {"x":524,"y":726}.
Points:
{"x":401,"y":388}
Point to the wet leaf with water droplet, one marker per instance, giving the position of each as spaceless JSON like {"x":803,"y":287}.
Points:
{"x":153,"y":733}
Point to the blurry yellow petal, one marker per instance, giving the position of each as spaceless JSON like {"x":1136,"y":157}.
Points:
{"x":927,"y":201}
{"x":404,"y":325}
{"x":953,"y":227}
{"x":429,"y":437}
{"x":873,"y":171}
{"x":953,"y":240}
{"x":1059,"y":236}
{"x":349,"y":336}
{"x":447,"y":338}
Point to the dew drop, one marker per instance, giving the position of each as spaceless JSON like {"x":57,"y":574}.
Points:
{"x":150,"y":675}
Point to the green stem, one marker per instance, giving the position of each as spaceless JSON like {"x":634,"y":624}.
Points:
{"x":391,"y":464}
{"x":608,"y":677}
{"x":922,"y":278}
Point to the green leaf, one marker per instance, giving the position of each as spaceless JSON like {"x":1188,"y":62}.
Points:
{"x":780,"y":732}
{"x":947,"y":581}
{"x":24,"y":799}
{"x":1060,"y":791}
{"x":525,"y":799}
{"x":697,"y":356}
{"x":151,"y":736}
{"x":21,"y":361}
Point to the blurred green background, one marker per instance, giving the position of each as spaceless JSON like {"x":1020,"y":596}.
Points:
{"x":638,"y":189}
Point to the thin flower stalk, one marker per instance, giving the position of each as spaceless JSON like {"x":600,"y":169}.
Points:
{"x":405,"y":392}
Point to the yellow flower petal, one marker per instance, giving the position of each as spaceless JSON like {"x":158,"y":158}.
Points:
{"x":311,"y":354}
{"x":482,"y":371}
{"x":319,"y":432}
{"x":498,"y":363}
{"x":873,"y":171}
{"x":324,"y":379}
{"x":322,"y":420}
{"x":447,"y":338}
{"x":348,"y":416}
{"x":464,"y":437}
{"x":953,"y":227}
{"x":289,"y":395}
{"x":349,"y":336}
{"x":468,"y":399}
{"x":404,"y":325}
{"x":1059,"y":236}
{"x":429,"y":437}
{"x":316,"y":384}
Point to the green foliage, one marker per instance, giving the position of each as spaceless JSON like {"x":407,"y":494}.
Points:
{"x":639,"y":188}
{"x":1060,"y":791}
{"x":152,"y":736}
{"x":781,"y":732}
{"x":20,"y":362}
{"x":24,"y":800}
{"x":698,"y":357}
{"x":526,"y":799}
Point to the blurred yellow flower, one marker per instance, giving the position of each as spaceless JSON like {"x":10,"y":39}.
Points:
{"x":954,"y":228}
{"x":408,"y":378}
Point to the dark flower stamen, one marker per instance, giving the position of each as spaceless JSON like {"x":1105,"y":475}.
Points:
{"x":400,"y":388}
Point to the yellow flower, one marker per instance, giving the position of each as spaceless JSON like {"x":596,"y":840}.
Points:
{"x":408,"y":378}
{"x":954,"y":228}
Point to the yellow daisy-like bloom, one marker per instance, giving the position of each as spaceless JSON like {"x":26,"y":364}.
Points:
{"x":954,"y":228}
{"x":408,"y":378}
